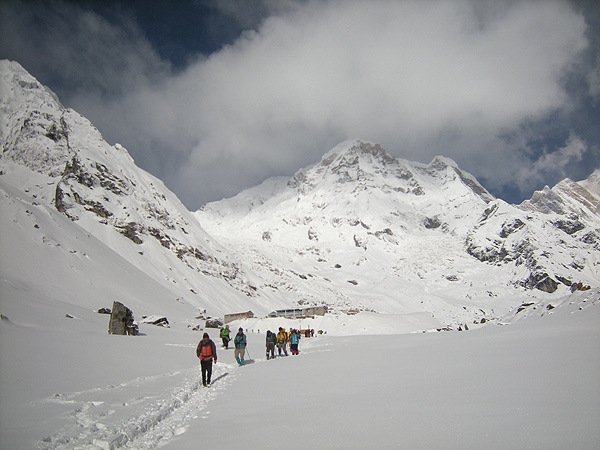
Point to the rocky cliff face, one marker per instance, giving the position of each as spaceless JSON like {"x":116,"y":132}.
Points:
{"x":554,"y":236}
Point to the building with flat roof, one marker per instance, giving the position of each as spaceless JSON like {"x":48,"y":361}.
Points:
{"x":237,"y":316}
{"x":300,"y":313}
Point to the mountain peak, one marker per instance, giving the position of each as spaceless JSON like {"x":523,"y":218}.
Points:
{"x":356,"y":148}
{"x":567,"y":196}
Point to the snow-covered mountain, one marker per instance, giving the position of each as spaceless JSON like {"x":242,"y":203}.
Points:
{"x":363,"y":231}
{"x":55,"y":165}
{"x":377,"y":239}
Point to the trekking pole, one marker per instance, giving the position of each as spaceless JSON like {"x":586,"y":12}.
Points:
{"x":249,"y":357}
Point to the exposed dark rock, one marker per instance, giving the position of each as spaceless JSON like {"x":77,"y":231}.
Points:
{"x":96,"y":208}
{"x":523,"y":306}
{"x":432,"y":222}
{"x":579,"y":287}
{"x":564,"y":280}
{"x":130,"y":231}
{"x":214,"y":323}
{"x":361,"y":243}
{"x":384,"y":232}
{"x":104,"y":311}
{"x":510,"y":227}
{"x":158,"y":321}
{"x":121,"y":321}
{"x":569,"y":225}
{"x":592,"y":238}
{"x":547,"y":285}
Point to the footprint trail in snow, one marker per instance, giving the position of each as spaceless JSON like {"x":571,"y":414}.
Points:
{"x":104,"y":418}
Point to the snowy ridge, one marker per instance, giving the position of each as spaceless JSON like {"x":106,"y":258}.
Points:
{"x":363,"y":231}
{"x":58,"y":160}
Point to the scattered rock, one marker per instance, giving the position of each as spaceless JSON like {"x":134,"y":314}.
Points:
{"x":104,"y":311}
{"x":579,"y":287}
{"x":523,"y":306}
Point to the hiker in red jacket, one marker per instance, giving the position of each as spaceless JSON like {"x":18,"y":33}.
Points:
{"x":206,"y":352}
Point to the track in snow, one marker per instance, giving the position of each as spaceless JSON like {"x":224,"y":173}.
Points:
{"x":102,"y":420}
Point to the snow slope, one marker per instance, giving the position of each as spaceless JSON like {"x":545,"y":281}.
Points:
{"x":55,"y":162}
{"x":529,"y":384}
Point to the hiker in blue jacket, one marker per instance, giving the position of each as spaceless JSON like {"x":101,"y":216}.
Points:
{"x":294,"y":341}
{"x":240,"y":346}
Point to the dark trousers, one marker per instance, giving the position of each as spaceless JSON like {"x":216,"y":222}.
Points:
{"x":225,"y":342}
{"x":206,"y":371}
{"x":270,"y":350}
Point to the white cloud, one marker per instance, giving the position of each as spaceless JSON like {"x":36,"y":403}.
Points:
{"x":556,"y":162}
{"x":421,"y":78}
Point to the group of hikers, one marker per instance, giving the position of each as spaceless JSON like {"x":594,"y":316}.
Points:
{"x":207,"y":350}
{"x":281,"y":340}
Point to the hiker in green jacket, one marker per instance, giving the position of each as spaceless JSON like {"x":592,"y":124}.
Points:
{"x":225,"y":336}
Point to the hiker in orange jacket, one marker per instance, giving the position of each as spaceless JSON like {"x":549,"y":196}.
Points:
{"x":206,"y":352}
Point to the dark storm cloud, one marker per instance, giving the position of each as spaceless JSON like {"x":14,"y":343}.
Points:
{"x":475,"y":81}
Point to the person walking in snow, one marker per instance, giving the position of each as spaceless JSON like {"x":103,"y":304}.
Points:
{"x":225,"y":336}
{"x":206,"y":352}
{"x":282,"y":339}
{"x":294,"y":341}
{"x":240,"y":346}
{"x":271,"y":341}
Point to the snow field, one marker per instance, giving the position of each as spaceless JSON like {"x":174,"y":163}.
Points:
{"x":530,"y":385}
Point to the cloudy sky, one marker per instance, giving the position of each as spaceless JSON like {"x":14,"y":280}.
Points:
{"x":214,"y":96}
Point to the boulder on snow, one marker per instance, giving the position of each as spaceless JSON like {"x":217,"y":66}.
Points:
{"x":214,"y":323}
{"x":160,"y":321}
{"x":121,"y":321}
{"x":104,"y":311}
